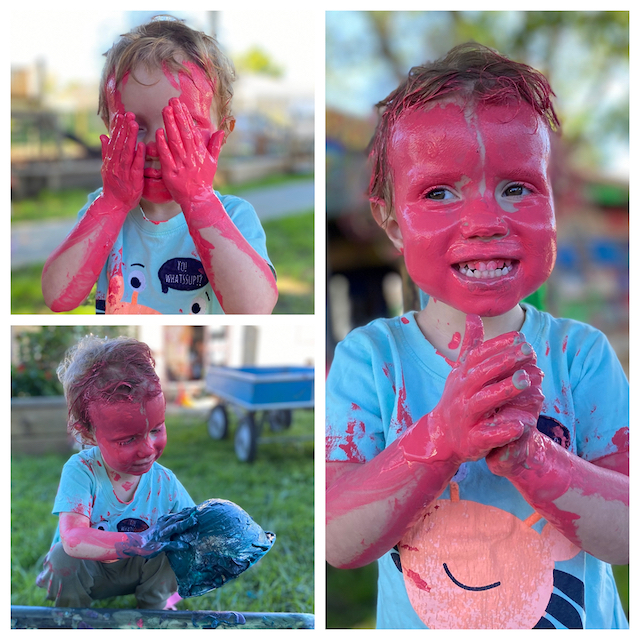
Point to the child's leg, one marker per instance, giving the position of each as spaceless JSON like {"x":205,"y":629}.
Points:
{"x":68,"y":581}
{"x":157,"y":583}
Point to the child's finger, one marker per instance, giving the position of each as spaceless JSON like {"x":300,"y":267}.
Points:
{"x":104,"y":142}
{"x":498,"y":394}
{"x":167,"y":161}
{"x":500,"y":430}
{"x":172,"y":133}
{"x":473,"y":336}
{"x":184,"y":123}
{"x":494,"y":346}
{"x":501,"y":365}
{"x":215,"y":144}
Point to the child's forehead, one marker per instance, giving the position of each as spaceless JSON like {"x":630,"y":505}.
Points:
{"x":453,"y":121}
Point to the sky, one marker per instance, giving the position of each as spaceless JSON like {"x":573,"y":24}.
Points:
{"x":72,"y":42}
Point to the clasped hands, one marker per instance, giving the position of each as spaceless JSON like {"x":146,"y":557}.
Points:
{"x":188,"y":165}
{"x":489,"y":407}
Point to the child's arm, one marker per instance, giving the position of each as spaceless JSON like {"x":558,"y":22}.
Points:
{"x":241,"y":279}
{"x":587,"y":502}
{"x":73,"y":268}
{"x":81,"y":541}
{"x":371,"y":505}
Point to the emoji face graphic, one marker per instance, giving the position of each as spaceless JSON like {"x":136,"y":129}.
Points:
{"x":471,"y":566}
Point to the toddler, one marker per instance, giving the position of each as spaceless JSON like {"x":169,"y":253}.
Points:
{"x":111,"y":495}
{"x":156,"y":237}
{"x":477,"y":448}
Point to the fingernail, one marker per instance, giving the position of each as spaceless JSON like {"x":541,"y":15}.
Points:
{"x":525,"y":349}
{"x":520,"y":379}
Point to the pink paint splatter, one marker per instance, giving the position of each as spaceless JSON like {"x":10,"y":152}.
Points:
{"x":564,"y":344}
{"x":451,"y":363}
{"x":417,"y":580}
{"x":621,"y":439}
{"x":546,"y":353}
{"x":349,"y":447}
{"x":404,"y":320}
{"x":455,"y":341}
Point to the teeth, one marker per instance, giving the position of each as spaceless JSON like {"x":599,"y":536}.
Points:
{"x":490,"y":269}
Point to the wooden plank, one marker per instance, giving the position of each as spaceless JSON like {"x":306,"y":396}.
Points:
{"x":65,"y":618}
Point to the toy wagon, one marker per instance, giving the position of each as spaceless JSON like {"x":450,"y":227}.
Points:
{"x":261,"y":397}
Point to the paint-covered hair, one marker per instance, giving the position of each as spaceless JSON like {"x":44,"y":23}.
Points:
{"x":470,"y":72}
{"x":158,"y":44}
{"x":109,"y":370}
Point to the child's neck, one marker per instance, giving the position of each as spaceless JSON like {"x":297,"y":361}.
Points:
{"x":444,"y":326}
{"x":159,"y":212}
{"x":124,"y":484}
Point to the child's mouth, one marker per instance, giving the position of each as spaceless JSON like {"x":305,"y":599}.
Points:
{"x":485,"y":269}
{"x":154,"y":174}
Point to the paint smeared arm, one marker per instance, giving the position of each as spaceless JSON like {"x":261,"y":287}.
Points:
{"x":81,"y":541}
{"x":73,"y":268}
{"x":587,"y":502}
{"x":371,"y":505}
{"x":241,"y":279}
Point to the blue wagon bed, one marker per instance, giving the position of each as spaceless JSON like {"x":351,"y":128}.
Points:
{"x":261,"y":397}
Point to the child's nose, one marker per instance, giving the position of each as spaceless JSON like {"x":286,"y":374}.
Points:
{"x":146,"y":448}
{"x":481,"y":221}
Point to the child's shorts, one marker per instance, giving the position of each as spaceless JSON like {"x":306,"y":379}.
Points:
{"x":71,"y":582}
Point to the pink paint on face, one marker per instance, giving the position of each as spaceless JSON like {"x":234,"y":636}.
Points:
{"x":473,"y":204}
{"x":131,"y":436}
{"x":146,"y":93}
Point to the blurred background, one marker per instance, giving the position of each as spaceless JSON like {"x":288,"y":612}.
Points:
{"x":275,"y":487}
{"x":585,"y":56}
{"x":56,"y":61}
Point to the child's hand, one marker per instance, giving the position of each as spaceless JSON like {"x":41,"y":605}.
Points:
{"x":188,"y":165}
{"x":510,"y":458}
{"x":157,"y":539}
{"x":123,"y":162}
{"x":480,"y":408}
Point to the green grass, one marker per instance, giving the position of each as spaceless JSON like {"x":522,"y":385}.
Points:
{"x":276,"y":490}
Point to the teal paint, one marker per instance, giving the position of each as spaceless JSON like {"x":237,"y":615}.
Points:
{"x":65,"y":618}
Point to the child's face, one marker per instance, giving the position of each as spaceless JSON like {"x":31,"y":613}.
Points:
{"x":131,"y":436}
{"x":473,"y":204}
{"x":146,"y":93}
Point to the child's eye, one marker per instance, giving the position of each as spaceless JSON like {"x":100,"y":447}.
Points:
{"x":124,"y":443}
{"x":439,"y":193}
{"x":515,"y":190}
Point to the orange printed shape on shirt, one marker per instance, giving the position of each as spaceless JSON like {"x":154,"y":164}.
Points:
{"x":471,"y":566}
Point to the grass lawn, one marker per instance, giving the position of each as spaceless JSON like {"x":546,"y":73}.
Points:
{"x":276,"y":490}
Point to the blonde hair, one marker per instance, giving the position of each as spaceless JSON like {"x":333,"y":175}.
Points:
{"x":110,"y":370}
{"x":160,"y":43}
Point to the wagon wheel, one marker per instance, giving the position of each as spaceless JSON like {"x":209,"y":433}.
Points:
{"x":246,"y":439}
{"x":279,"y":419}
{"x":218,"y":424}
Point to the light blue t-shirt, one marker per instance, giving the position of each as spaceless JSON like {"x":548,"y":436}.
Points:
{"x":85,"y":489}
{"x":386,"y":376}
{"x":155,"y":267}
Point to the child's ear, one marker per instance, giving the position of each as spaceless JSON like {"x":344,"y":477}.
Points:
{"x":389,"y":223}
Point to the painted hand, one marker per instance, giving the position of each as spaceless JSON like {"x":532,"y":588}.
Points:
{"x":528,"y":450}
{"x":482,"y":406}
{"x":123,"y":162}
{"x":188,"y":165}
{"x":158,"y":538}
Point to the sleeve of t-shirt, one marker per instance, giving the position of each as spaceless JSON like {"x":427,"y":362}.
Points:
{"x":77,"y":489}
{"x":244,"y":216}
{"x":601,"y":396}
{"x":182,"y":498}
{"x":354,"y":429}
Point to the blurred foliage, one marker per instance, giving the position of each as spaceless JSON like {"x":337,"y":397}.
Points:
{"x":39,"y":351}
{"x":257,"y":60}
